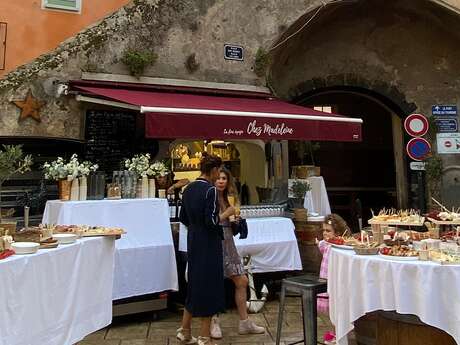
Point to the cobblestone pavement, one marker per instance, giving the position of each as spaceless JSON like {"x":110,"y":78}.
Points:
{"x":143,"y":330}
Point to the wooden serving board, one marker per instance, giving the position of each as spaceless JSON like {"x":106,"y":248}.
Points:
{"x":93,"y":234}
{"x":443,"y":222}
{"x":376,"y":222}
{"x":48,"y":245}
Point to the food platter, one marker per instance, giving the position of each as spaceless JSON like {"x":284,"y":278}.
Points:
{"x":87,"y":231}
{"x":394,"y":223}
{"x":398,"y":258}
{"x":443,"y":222}
{"x":341,"y":246}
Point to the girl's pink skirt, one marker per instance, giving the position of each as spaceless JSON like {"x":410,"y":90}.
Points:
{"x":322,"y":303}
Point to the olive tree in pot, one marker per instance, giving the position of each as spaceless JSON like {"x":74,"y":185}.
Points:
{"x":12,"y":161}
{"x":297,"y":190}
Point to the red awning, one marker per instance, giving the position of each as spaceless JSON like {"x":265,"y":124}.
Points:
{"x":192,"y":116}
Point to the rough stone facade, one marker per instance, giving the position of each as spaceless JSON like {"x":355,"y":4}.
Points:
{"x":172,"y":29}
{"x":405,"y":52}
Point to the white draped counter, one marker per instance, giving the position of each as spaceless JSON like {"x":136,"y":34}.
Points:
{"x":57,"y":296}
{"x":316,"y":199}
{"x":271,"y":243}
{"x":361,"y":284}
{"x":145,"y":260}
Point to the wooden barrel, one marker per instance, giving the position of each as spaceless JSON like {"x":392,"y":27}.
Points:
{"x":366,"y":329}
{"x":300,"y":214}
{"x":310,"y":257}
{"x":382,"y":328}
{"x":308,"y":232}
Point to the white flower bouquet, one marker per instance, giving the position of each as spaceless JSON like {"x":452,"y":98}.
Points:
{"x":59,"y":169}
{"x":159,"y":169}
{"x":139,"y":164}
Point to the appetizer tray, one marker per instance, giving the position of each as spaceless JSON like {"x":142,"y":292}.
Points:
{"x":393,"y":223}
{"x":398,"y":258}
{"x":443,"y":222}
{"x":341,"y":246}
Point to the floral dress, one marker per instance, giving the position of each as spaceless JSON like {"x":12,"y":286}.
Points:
{"x":232,"y":260}
{"x":322,"y":303}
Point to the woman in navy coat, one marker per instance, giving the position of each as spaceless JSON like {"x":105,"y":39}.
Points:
{"x":205,"y":289}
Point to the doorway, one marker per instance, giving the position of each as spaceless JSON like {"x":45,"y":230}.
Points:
{"x":366,"y":176}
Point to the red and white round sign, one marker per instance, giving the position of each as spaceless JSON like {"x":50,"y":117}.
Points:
{"x":416,"y":125}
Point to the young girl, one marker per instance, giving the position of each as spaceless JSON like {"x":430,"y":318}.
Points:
{"x":333,"y":226}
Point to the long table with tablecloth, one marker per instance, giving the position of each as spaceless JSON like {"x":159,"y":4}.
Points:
{"x":57,"y":296}
{"x":271,"y":243}
{"x":145,"y":260}
{"x":359,"y":284}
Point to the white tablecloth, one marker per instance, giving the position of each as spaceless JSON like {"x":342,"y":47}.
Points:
{"x":316,"y":200}
{"x":57,"y":296}
{"x":145,"y":260}
{"x":361,"y":284}
{"x":271,"y":242}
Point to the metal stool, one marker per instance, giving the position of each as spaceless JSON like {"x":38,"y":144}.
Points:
{"x":308,"y":286}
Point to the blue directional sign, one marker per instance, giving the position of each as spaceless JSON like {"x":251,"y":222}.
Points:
{"x":444,"y":110}
{"x":447,"y":125}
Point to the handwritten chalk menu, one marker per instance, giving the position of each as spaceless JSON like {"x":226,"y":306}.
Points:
{"x":110,"y":137}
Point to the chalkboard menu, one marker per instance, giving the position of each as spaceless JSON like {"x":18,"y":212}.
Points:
{"x":110,"y":137}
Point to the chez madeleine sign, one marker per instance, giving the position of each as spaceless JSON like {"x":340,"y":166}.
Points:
{"x":187,"y":126}
{"x":257,"y":129}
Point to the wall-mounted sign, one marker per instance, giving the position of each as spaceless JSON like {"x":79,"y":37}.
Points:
{"x":444,"y":110}
{"x":417,"y":166}
{"x":416,"y":125}
{"x":448,"y":142}
{"x":418,"y":149}
{"x":449,"y":125}
{"x":232,"y":52}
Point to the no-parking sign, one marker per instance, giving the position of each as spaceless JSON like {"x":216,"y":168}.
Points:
{"x":416,"y":125}
{"x":418,"y":149}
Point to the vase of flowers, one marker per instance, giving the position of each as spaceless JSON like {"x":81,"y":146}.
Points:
{"x":140,"y":165}
{"x":161,"y":172}
{"x":67,"y":175}
{"x":64,"y":186}
{"x":12,"y":161}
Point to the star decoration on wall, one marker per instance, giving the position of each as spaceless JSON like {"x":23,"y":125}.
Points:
{"x":30,"y":107}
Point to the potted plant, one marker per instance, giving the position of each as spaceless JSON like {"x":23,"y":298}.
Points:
{"x":297,"y":190}
{"x":12,"y":161}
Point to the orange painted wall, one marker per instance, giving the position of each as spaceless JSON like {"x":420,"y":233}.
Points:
{"x":33,"y":31}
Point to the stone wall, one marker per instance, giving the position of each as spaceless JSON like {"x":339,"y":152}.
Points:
{"x":172,"y":29}
{"x":408,"y":52}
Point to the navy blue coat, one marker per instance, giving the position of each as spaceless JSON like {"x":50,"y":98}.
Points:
{"x":200,"y":213}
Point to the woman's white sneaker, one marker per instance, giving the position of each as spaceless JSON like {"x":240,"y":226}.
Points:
{"x":185,"y":336}
{"x":216,"y":332}
{"x":204,"y":341}
{"x":249,"y":327}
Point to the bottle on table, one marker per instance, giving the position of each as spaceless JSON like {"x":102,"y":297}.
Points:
{"x":172,"y":207}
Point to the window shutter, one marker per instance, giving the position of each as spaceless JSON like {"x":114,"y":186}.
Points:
{"x":64,"y":4}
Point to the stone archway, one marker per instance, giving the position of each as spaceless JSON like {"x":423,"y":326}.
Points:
{"x":395,"y":53}
{"x":393,"y":109}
